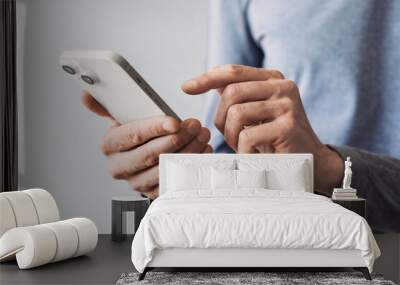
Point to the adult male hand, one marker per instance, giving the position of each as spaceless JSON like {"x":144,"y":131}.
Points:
{"x":261,"y":111}
{"x":133,"y":148}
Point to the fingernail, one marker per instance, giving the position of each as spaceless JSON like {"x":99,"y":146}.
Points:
{"x":192,"y":128}
{"x":169,"y":127}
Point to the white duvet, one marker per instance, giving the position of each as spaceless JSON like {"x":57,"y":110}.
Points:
{"x":250,"y":219}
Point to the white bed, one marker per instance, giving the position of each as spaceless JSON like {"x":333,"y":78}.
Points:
{"x":248,"y":227}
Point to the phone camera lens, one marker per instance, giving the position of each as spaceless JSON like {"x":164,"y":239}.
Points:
{"x":69,"y":69}
{"x":87,"y":79}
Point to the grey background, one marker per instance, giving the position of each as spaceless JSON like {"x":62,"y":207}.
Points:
{"x":59,"y":140}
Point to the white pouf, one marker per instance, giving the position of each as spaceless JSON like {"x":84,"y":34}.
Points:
{"x":7,"y":220}
{"x":87,"y":233}
{"x":30,"y":230}
{"x":40,"y":244}
{"x":23,"y":208}
{"x":67,"y":237}
{"x":45,"y":205}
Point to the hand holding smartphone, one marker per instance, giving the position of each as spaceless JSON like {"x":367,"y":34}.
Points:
{"x":115,"y":84}
{"x":146,"y":126}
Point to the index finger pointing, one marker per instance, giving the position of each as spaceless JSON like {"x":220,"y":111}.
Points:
{"x":223,"y":76}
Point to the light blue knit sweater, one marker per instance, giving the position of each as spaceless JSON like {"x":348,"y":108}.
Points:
{"x":345,"y":57}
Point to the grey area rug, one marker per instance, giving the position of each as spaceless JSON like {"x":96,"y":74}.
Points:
{"x":225,"y":278}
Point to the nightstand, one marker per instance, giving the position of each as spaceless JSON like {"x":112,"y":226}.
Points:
{"x":357,"y":205}
{"x":121,"y":206}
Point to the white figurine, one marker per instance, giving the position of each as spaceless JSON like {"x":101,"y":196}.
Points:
{"x":347,"y":174}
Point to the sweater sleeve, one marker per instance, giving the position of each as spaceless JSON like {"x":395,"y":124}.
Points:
{"x":229,"y":42}
{"x":377,"y":179}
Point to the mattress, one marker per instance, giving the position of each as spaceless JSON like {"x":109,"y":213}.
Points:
{"x":252,"y":219}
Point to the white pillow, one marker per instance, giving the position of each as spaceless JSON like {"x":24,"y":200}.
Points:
{"x":228,"y":179}
{"x":293,"y":179}
{"x":181,"y":177}
{"x":186,"y":174}
{"x":281,"y":174}
{"x":223,"y":179}
{"x":251,"y":178}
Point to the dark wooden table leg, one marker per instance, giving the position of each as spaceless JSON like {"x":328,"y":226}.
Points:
{"x":116,"y":221}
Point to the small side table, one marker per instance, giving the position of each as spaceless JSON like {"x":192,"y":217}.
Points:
{"x":122,"y":204}
{"x":357,"y":205}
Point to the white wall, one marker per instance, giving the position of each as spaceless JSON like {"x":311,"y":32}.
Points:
{"x":164,"y":40}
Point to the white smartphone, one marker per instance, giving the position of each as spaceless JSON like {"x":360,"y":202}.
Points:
{"x":115,"y":84}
